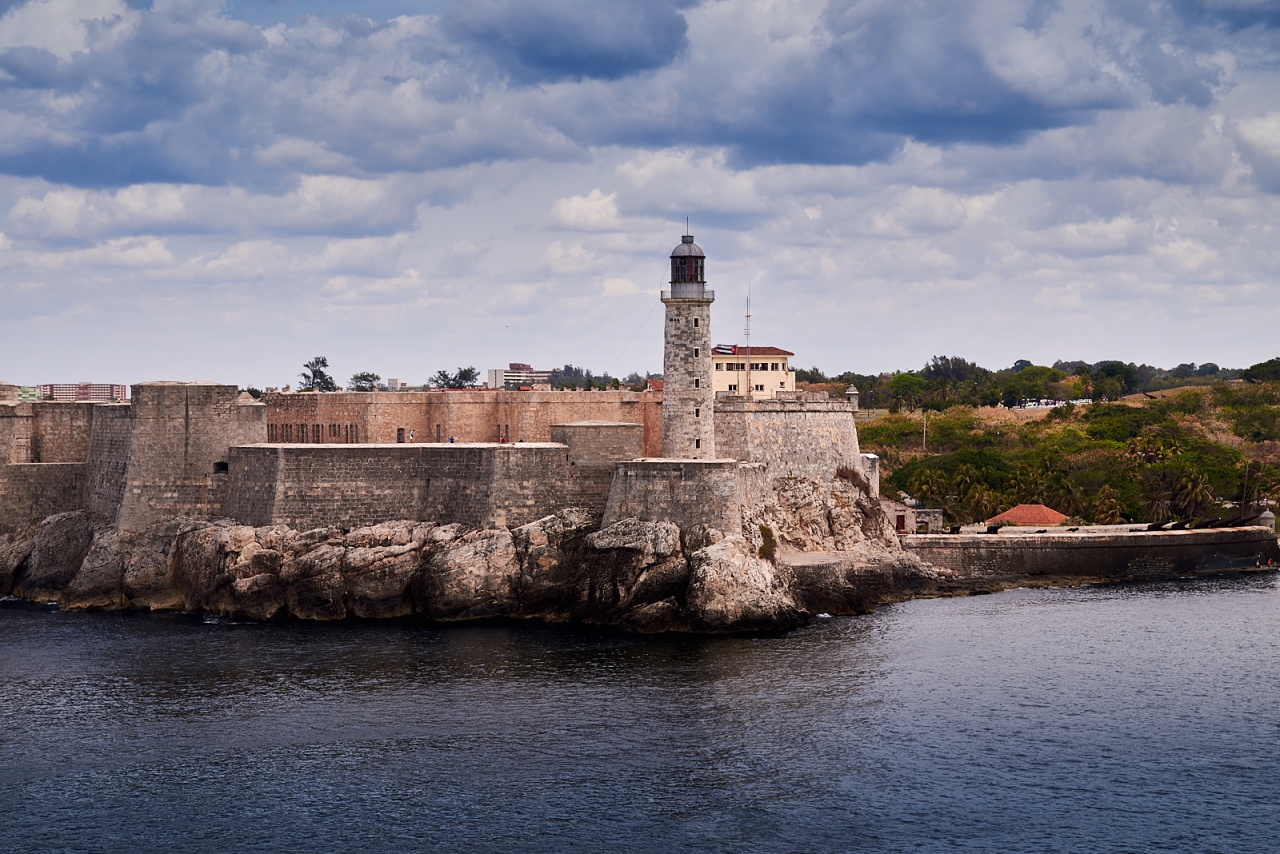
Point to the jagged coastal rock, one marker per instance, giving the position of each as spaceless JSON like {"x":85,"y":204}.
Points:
{"x":636,"y":575}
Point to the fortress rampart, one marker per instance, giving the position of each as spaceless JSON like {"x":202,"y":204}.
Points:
{"x":467,"y":416}
{"x":801,"y":437}
{"x":199,"y":449}
{"x":485,"y":485}
{"x":685,"y":492}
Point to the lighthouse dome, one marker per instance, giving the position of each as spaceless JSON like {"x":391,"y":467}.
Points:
{"x":687,"y":249}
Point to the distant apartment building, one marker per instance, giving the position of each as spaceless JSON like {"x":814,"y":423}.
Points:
{"x":515,"y":375}
{"x":395,"y":384}
{"x":83,"y":391}
{"x":758,"y":372}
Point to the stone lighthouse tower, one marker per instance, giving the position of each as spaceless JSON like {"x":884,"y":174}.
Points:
{"x":688,"y":426}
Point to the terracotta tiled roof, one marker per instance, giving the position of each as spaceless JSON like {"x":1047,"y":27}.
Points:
{"x":735,"y":350}
{"x":654,"y":385}
{"x":1029,"y":514}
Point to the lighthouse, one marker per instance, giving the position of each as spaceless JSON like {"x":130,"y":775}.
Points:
{"x":688,"y":426}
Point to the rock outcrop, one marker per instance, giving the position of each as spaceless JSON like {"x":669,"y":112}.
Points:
{"x":638,"y":575}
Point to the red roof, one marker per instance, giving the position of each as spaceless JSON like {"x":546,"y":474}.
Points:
{"x":653,"y":385}
{"x":1029,"y":514}
{"x":735,"y":350}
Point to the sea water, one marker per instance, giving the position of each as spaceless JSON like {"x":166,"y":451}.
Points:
{"x":1121,"y":718}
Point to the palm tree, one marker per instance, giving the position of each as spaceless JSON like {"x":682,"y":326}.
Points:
{"x":1064,"y":496}
{"x":927,"y":485}
{"x":982,"y":502}
{"x":1029,"y":485}
{"x":1156,"y":504}
{"x":1107,"y":507}
{"x":965,"y":477}
{"x":1194,"y":493}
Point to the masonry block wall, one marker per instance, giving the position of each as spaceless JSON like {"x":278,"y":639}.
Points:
{"x":688,"y":426}
{"x":467,"y":416}
{"x":15,"y":433}
{"x":109,"y":449}
{"x":594,"y":448}
{"x":1092,"y":555}
{"x":30,"y":492}
{"x":686,"y":492}
{"x":483,"y":485}
{"x":794,"y":438}
{"x":60,"y":431}
{"x":179,"y":452}
{"x":32,"y":488}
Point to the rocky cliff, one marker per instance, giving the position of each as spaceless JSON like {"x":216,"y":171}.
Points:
{"x":641,"y":576}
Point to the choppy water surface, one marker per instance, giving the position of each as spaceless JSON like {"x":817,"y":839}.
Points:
{"x":1140,"y":718}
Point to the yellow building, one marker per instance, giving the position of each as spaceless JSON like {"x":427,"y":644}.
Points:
{"x":764,"y":371}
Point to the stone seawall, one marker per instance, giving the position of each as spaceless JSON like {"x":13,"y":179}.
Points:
{"x":476,"y":484}
{"x":1116,"y":555}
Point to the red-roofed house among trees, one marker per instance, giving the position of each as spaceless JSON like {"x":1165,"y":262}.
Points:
{"x":1028,"y":514}
{"x":761,"y":372}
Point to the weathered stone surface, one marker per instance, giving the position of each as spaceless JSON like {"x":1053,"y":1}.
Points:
{"x":99,"y":583}
{"x":318,"y":597}
{"x":665,"y":580}
{"x":856,"y":519}
{"x":149,"y":571}
{"x":650,"y":539}
{"x":842,"y":583}
{"x":324,"y":559}
{"x":61,"y":543}
{"x":663,"y":616}
{"x":13,"y":552}
{"x":197,"y":569}
{"x":259,"y":597}
{"x":699,"y":537}
{"x":377,"y":579}
{"x":552,"y":583}
{"x":732,"y":590}
{"x":473,"y":576}
{"x":399,"y":533}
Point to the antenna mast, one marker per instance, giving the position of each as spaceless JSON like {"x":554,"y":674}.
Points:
{"x":751,"y":390}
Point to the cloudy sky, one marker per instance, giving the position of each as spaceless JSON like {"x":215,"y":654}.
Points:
{"x":221,"y":190}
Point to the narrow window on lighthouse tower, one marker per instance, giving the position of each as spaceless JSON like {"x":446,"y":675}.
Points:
{"x":695,"y":323}
{"x":695,"y":352}
{"x":697,"y":413}
{"x":697,"y":443}
{"x":695,"y":383}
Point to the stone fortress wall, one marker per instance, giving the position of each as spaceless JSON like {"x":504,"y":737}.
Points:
{"x":467,"y":416}
{"x":184,"y":449}
{"x":801,"y":435}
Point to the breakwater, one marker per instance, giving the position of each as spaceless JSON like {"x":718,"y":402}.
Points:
{"x":1111,"y":553}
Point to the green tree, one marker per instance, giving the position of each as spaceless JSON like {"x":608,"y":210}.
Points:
{"x":462,"y":378}
{"x":363,"y":381}
{"x":1107,"y":509}
{"x":1193,"y":493}
{"x":1268,"y":370}
{"x":1156,"y":505}
{"x":964,"y":478}
{"x":315,"y":377}
{"x":1064,"y":496}
{"x":982,"y":502}
{"x":928,"y":486}
{"x":906,"y":389}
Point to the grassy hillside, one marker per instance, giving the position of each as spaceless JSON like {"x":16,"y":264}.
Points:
{"x":1195,"y":453}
